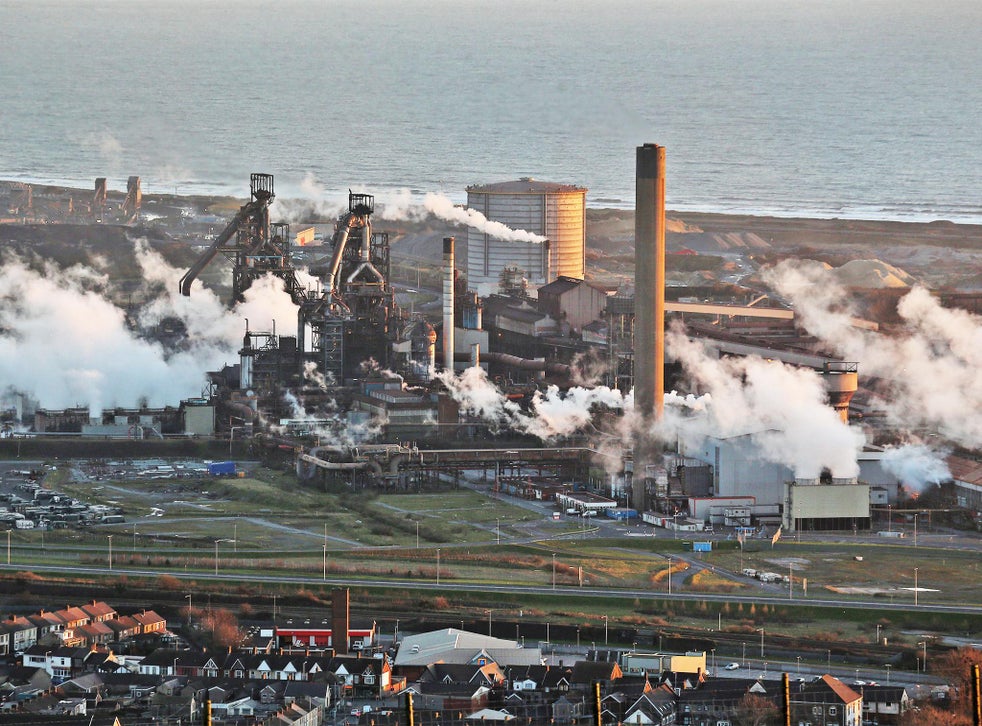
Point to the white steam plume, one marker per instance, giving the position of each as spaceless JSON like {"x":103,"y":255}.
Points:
{"x":329,"y":426}
{"x":314,"y":201}
{"x":931,"y":366}
{"x":398,"y":205}
{"x":442,"y":207}
{"x":63,"y":342}
{"x":554,"y":414}
{"x":404,"y":206}
{"x":782,"y":408}
{"x":916,"y":466}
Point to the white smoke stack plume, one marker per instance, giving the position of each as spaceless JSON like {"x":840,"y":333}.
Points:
{"x":49,"y":311}
{"x":916,"y":466}
{"x":553,"y":414}
{"x":782,"y":408}
{"x":405,"y":206}
{"x":931,"y":366}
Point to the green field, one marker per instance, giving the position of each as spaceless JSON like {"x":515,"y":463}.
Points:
{"x":281,"y":527}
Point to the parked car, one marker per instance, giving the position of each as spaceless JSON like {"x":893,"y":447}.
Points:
{"x":731,"y":666}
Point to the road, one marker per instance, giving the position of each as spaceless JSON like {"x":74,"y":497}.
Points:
{"x":505,"y":589}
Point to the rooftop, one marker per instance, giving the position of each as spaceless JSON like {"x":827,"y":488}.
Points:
{"x":525,"y":185}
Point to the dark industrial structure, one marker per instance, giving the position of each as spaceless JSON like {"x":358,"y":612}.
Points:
{"x":351,"y":318}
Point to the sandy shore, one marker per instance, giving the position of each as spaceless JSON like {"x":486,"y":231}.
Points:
{"x":941,"y":253}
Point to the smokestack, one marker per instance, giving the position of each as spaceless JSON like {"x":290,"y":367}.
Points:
{"x":448,"y":276}
{"x":649,"y":306}
{"x":340,"y":620}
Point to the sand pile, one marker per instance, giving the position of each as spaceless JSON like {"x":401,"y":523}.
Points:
{"x":872,"y":274}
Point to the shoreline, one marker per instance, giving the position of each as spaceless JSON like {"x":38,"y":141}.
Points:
{"x":786,"y":216}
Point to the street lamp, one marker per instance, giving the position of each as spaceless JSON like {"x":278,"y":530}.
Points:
{"x":325,"y":563}
{"x":923,"y":644}
{"x":877,"y":641}
{"x":216,"y":551}
{"x":497,"y":527}
{"x":887,"y":666}
{"x":188,"y":598}
{"x":915,"y":587}
{"x":799,"y":664}
{"x":553,"y":570}
{"x":437,"y":565}
{"x":605,"y":629}
{"x":761,"y":642}
{"x":110,"y":550}
{"x":915,"y":530}
{"x":488,"y":611}
{"x":669,"y":578}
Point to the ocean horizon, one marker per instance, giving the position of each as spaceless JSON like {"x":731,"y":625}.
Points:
{"x":780,"y":108}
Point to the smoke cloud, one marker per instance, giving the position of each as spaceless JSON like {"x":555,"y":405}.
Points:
{"x":930,"y":367}
{"x":554,"y":415}
{"x":916,"y":466}
{"x":66,"y":344}
{"x":403,"y":205}
{"x":782,"y":408}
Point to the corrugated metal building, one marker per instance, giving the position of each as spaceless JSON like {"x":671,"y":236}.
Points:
{"x":551,"y":210}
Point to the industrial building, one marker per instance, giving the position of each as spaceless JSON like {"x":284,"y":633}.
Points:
{"x":523,"y":312}
{"x":554,"y":212}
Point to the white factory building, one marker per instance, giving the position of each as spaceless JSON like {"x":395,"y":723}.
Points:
{"x":744,"y":479}
{"x":553,"y":211}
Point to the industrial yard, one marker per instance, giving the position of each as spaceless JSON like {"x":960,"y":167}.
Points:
{"x":397,"y":425}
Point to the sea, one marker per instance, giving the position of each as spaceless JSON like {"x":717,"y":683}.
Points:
{"x":867,"y":109}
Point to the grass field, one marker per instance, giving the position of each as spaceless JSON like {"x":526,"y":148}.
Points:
{"x":271,"y":524}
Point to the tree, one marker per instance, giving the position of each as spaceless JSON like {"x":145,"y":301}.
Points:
{"x":933,"y":716}
{"x":756,"y":710}
{"x":223,"y":627}
{"x":955,"y":667}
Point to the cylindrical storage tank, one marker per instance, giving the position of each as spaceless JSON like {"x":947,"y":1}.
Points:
{"x":554,"y":211}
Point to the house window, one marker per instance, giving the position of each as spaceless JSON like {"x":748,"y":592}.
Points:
{"x":369,"y":680}
{"x":831,"y":710}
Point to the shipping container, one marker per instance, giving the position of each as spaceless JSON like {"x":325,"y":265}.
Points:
{"x":222,"y":468}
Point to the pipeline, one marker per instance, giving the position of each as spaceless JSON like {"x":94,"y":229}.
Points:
{"x":514,"y":361}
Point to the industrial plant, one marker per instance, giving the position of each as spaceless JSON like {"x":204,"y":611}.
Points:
{"x":365,"y":392}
